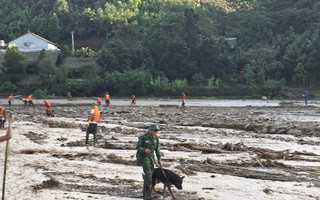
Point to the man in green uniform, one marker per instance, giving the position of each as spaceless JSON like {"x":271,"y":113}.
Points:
{"x":147,"y":148}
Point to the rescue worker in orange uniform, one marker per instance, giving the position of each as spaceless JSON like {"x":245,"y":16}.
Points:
{"x":9,"y":100}
{"x":3,"y":116}
{"x":25,"y":102}
{"x":49,"y":111}
{"x":99,"y":101}
{"x":107,"y":97}
{"x":183,"y":99}
{"x":93,"y":120}
{"x":133,"y":100}
{"x":30,"y":100}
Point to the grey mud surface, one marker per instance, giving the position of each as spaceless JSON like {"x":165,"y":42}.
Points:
{"x":250,"y":139}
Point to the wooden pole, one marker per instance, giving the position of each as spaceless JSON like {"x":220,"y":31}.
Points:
{"x":72,"y":40}
{"x":5,"y":169}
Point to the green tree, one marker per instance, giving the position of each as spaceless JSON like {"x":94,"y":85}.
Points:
{"x":300,"y":74}
{"x":273,"y":88}
{"x":90,"y":71}
{"x":61,"y":6}
{"x":198,"y":79}
{"x":114,"y":57}
{"x":53,"y":28}
{"x":262,"y":65}
{"x":89,"y":78}
{"x":8,"y":87}
{"x":14,"y":64}
{"x":166,"y":50}
{"x":46,"y":70}
{"x":311,"y":51}
{"x":290,"y":51}
{"x":212,"y":58}
{"x":129,"y":82}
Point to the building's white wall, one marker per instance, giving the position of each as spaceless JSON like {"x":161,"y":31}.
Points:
{"x":29,"y":42}
{"x":51,"y":47}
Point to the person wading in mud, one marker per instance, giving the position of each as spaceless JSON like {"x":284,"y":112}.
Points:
{"x":183,"y":99}
{"x":99,"y":101}
{"x":25,"y":102}
{"x":30,"y":101}
{"x":93,"y":120}
{"x":3,"y":116}
{"x":107,"y":98}
{"x":133,"y":100}
{"x":147,"y":147}
{"x":49,"y":111}
{"x":9,"y":100}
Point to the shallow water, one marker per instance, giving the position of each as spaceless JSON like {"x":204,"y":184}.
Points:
{"x":175,"y":102}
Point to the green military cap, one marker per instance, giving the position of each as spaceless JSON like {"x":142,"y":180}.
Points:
{"x":154,"y":127}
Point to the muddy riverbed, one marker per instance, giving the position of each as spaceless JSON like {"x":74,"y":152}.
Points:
{"x":233,"y":150}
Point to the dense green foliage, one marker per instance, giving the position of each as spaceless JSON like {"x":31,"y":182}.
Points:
{"x":173,"y":46}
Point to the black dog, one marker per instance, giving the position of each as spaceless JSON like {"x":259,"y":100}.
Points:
{"x":168,"y":178}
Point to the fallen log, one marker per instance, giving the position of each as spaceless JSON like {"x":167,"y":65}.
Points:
{"x":270,"y":154}
{"x":209,"y":150}
{"x":279,"y":175}
{"x":200,"y":148}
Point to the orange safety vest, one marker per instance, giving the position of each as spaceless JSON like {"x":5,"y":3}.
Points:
{"x":48,"y":104}
{"x":96,"y":115}
{"x":30,"y":97}
{"x":99,"y":100}
{"x":107,"y":97}
{"x":184,"y":97}
{"x":9,"y":98}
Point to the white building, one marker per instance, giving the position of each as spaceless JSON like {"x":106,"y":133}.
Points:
{"x":32,"y":42}
{"x":31,"y":45}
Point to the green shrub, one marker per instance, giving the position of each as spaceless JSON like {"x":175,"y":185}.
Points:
{"x":40,"y":93}
{"x":79,"y":87}
{"x":128,"y":82}
{"x":198,"y":79}
{"x":8,"y":87}
{"x":161,"y":86}
{"x":85,"y":52}
{"x":273,"y":88}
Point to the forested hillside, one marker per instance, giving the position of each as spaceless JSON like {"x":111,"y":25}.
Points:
{"x":154,"y":47}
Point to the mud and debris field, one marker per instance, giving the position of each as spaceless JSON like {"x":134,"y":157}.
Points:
{"x":240,"y":153}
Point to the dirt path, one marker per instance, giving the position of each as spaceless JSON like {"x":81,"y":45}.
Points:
{"x":246,"y":152}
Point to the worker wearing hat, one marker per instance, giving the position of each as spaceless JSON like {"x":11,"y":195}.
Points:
{"x":93,"y":120}
{"x":147,"y":147}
